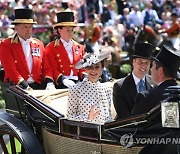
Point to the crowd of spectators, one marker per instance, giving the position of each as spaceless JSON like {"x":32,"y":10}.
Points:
{"x":117,"y":18}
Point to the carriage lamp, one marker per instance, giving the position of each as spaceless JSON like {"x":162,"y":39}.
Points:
{"x":170,"y":108}
{"x":170,"y":114}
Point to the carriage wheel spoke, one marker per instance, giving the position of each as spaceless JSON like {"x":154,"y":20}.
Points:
{"x":12,"y":142}
{"x":4,"y":148}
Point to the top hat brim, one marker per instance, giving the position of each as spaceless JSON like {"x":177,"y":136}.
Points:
{"x":136,"y":56}
{"x":23,"y":21}
{"x":62,"y":24}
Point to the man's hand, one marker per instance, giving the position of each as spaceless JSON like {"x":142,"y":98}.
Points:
{"x":50,"y":86}
{"x":68,"y":83}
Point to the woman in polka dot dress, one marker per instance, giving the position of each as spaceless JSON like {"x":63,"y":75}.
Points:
{"x":90,"y":100}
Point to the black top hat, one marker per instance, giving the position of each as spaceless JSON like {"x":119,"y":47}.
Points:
{"x":65,"y":19}
{"x":23,"y":16}
{"x":143,"y":50}
{"x":92,"y":57}
{"x":169,"y":57}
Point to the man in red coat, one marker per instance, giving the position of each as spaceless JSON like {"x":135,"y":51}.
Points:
{"x":173,"y":31}
{"x":64,"y":53}
{"x":23,"y":57}
{"x":92,"y":33}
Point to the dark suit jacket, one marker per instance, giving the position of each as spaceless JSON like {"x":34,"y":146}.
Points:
{"x":124,"y":94}
{"x":145,"y":101}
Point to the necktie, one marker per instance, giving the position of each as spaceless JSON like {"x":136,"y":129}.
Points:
{"x":141,"y":86}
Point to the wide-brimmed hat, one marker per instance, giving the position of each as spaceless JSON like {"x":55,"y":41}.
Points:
{"x":92,"y":57}
{"x":23,"y":16}
{"x":143,"y":50}
{"x":65,"y":19}
{"x":169,"y":58}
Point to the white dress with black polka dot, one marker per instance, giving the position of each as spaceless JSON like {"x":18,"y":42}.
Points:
{"x":85,"y":94}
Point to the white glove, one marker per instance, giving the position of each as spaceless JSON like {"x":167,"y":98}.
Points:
{"x":68,"y":83}
{"x":50,"y":86}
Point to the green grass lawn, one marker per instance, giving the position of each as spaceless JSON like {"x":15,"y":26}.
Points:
{"x":17,"y":145}
{"x":2,"y":103}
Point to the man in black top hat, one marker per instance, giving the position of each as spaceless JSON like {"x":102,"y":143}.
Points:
{"x":126,"y":89}
{"x":23,"y":57}
{"x":164,"y":71}
{"x":64,"y":53}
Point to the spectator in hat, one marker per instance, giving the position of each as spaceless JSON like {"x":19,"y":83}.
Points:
{"x":64,"y":53}
{"x":23,"y":57}
{"x":126,"y":89}
{"x":173,"y":31}
{"x":90,"y":100}
{"x":164,"y":71}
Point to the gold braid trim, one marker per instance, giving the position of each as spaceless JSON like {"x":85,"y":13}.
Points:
{"x":57,"y":43}
{"x":49,"y":77}
{"x":20,"y":81}
{"x":58,"y":78}
{"x":15,"y":39}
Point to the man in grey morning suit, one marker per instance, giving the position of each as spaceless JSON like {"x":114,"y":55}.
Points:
{"x":126,"y":89}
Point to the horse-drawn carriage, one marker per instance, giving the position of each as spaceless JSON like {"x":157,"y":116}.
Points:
{"x":39,"y":128}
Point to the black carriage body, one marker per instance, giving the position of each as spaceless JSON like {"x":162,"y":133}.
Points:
{"x":55,"y":134}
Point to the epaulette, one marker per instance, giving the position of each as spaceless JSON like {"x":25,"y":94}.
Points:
{"x":15,"y":39}
{"x":57,"y":42}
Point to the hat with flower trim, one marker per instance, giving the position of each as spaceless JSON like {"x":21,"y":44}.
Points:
{"x":92,"y":57}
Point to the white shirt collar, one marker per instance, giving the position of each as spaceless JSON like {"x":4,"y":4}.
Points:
{"x":136,"y":79}
{"x":66,"y":43}
{"x":24,"y":41}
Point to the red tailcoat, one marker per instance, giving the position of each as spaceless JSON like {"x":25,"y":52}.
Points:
{"x":14,"y":62}
{"x":92,"y":33}
{"x":59,"y":59}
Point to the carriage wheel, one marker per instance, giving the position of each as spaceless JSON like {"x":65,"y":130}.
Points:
{"x":16,"y":137}
{"x":9,"y":142}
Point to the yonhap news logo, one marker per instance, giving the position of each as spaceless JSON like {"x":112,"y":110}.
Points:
{"x":127,"y":140}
